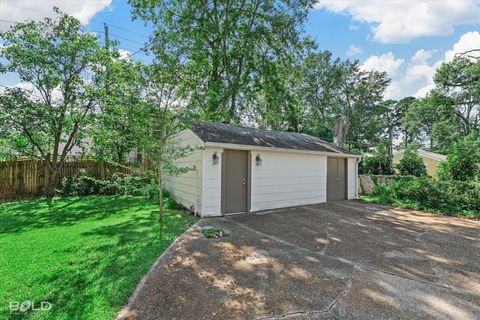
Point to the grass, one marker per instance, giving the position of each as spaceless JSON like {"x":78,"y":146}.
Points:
{"x":83,"y":255}
{"x":410,"y":204}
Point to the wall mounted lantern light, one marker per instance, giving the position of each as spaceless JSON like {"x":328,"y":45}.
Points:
{"x":215,"y":158}
{"x":258,"y":160}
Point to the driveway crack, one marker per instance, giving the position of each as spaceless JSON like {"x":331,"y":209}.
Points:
{"x":345,"y":291}
{"x":325,"y":311}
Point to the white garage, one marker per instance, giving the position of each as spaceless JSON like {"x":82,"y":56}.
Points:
{"x":240,"y":169}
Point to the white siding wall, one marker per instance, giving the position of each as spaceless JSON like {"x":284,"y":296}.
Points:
{"x":186,"y":188}
{"x":287,"y":179}
{"x":352,"y":176}
{"x":212,"y":183}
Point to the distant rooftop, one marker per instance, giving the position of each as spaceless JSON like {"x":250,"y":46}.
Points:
{"x":428,"y":154}
{"x":228,"y":133}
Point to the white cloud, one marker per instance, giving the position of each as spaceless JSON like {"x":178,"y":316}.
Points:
{"x":22,"y":10}
{"x":468,"y":41}
{"x":354,"y":50}
{"x":415,"y":78}
{"x":400,"y":21}
{"x":386,"y":62}
{"x":124,"y":54}
{"x":422,"y":56}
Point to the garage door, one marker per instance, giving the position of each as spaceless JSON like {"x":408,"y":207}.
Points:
{"x":336,"y":179}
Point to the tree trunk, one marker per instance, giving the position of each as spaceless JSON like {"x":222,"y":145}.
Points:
{"x":340,"y":133}
{"x":52,"y":184}
{"x":160,"y":196}
{"x":390,"y":138}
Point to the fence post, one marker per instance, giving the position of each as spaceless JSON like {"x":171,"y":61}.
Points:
{"x":102,"y":170}
{"x":47,"y":176}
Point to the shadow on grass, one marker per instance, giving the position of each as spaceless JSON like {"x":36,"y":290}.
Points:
{"x":104,"y":268}
{"x":102,"y":274}
{"x":30,"y":215}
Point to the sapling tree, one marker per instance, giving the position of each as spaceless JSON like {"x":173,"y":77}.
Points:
{"x":59,"y":65}
{"x":165,"y":115}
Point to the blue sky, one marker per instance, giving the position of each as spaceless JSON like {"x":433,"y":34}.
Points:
{"x":409,"y":39}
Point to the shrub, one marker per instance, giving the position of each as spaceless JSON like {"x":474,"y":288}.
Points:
{"x":380,"y":163}
{"x":81,"y":186}
{"x":462,"y":162}
{"x":426,"y":193}
{"x":135,"y":184}
{"x":116,"y":184}
{"x":411,"y":163}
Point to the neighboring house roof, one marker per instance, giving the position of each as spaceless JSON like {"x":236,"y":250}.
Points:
{"x":230,"y":134}
{"x":427,"y":154}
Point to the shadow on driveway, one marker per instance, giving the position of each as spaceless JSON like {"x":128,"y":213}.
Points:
{"x":346,"y":260}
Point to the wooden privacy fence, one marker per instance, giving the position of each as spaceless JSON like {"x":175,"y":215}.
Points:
{"x":31,"y":177}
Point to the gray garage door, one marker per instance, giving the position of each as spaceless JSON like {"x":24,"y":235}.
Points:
{"x":234,"y":181}
{"x":336,"y":179}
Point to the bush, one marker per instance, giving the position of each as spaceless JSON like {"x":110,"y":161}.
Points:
{"x":117,"y":184}
{"x":462,"y":162}
{"x":425,"y":193}
{"x":170,"y":203}
{"x":81,"y":186}
{"x":380,"y":163}
{"x":411,"y":164}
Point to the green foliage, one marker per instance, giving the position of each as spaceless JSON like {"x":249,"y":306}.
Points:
{"x":116,"y":184}
{"x":458,"y":80}
{"x":215,"y":233}
{"x":425,"y":193}
{"x":433,"y":118}
{"x":170,"y":203}
{"x":121,"y":123}
{"x":411,"y":164}
{"x":380,"y":163}
{"x":62,"y":65}
{"x":84,"y":255}
{"x":335,"y":92}
{"x":463,"y":162}
{"x":229,"y":51}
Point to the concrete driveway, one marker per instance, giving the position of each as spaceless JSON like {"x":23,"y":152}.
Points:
{"x":345,"y":260}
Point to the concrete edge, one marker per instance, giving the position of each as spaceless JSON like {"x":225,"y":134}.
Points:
{"x":125,"y":311}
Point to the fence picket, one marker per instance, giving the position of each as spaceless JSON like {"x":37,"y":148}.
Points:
{"x":31,"y":177}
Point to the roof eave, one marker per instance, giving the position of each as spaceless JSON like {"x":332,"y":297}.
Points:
{"x":275,"y":149}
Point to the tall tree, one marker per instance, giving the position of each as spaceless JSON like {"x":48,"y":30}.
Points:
{"x":226,"y":46}
{"x":432,"y":120}
{"x":318,"y":91}
{"x":59,"y":63}
{"x":117,"y":126}
{"x":460,"y":81}
{"x":359,"y":105}
{"x":402,"y":108}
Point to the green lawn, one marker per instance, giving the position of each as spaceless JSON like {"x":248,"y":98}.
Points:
{"x":83,"y":255}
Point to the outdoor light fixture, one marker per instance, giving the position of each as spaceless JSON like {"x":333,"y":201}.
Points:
{"x":215,"y":158}
{"x":258,"y":160}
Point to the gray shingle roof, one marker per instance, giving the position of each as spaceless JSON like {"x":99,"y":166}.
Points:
{"x":227,"y":133}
